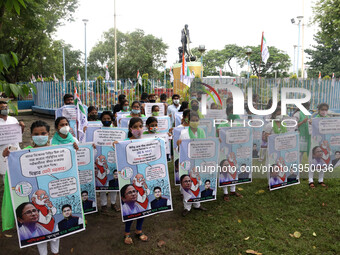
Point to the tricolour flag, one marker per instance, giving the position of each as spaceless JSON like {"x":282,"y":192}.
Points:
{"x":107,"y":75}
{"x":33,"y":79}
{"x":333,"y":80}
{"x":78,"y":76}
{"x":264,"y":49}
{"x":139,"y":77}
{"x":55,"y":78}
{"x":186,"y":77}
{"x":171,"y":76}
{"x":81,"y":115}
{"x":319,"y":75}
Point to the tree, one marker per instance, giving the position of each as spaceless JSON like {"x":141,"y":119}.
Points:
{"x":231,"y":51}
{"x":278,"y":61}
{"x":135,"y":51}
{"x":327,"y":16}
{"x":29,"y":35}
{"x":324,"y":58}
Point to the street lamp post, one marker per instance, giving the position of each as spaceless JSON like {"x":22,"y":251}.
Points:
{"x":85,"y":21}
{"x":201,"y":49}
{"x":294,"y":58}
{"x":248,"y":52}
{"x":164,"y":61}
{"x":298,"y":46}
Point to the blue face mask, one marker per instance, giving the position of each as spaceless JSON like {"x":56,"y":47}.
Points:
{"x":40,"y":140}
{"x":106,"y":123}
{"x":134,"y":111}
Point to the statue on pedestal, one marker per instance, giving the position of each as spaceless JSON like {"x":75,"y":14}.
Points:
{"x":185,"y":49}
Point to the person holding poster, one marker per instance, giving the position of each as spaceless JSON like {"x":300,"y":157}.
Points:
{"x":193,"y":132}
{"x":63,"y":135}
{"x":40,"y":134}
{"x":92,"y":113}
{"x":155,"y":110}
{"x":275,"y":127}
{"x":135,"y":110}
{"x":106,"y":118}
{"x":185,"y":118}
{"x":322,"y":111}
{"x":152,"y":125}
{"x":7,"y":120}
{"x":129,"y":194}
{"x":303,"y":127}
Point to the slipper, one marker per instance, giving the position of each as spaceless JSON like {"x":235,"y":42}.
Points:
{"x":323,"y":185}
{"x":141,"y":236}
{"x":128,"y":239}
{"x":226,"y":198}
{"x":236,"y":194}
{"x":311,"y":185}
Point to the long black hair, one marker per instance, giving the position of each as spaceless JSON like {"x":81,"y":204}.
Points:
{"x":132,"y":122}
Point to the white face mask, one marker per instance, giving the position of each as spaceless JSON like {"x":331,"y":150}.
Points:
{"x":176,"y":101}
{"x":64,"y":130}
{"x":279,"y":117}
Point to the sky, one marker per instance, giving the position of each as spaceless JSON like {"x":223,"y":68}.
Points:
{"x":212,"y":23}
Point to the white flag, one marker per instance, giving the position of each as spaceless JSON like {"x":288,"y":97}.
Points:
{"x":78,"y":76}
{"x":139,"y":77}
{"x":264,"y":49}
{"x":171,"y":76}
{"x":107,"y":75}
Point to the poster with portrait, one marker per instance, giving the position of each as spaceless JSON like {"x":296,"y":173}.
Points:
{"x":85,"y":160}
{"x":148,"y":109}
{"x":105,"y":168}
{"x":164,"y":123}
{"x":176,"y":132}
{"x":143,"y":178}
{"x":283,"y":160}
{"x":198,"y":159}
{"x":325,"y":137}
{"x":45,"y":193}
{"x":70,"y":113}
{"x":235,"y":162}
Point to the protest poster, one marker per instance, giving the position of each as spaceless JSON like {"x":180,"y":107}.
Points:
{"x":283,"y":160}
{"x":198,"y":158}
{"x":121,"y":115}
{"x":216,"y":114}
{"x":10,"y":133}
{"x":164,"y":136}
{"x":209,"y":124}
{"x":70,"y":113}
{"x":143,"y":178}
{"x":164,"y":123}
{"x":90,"y":132}
{"x":45,"y":193}
{"x":178,"y":118}
{"x":148,"y":109}
{"x":85,"y":160}
{"x":326,"y":135}
{"x":235,"y":162}
{"x":105,"y":167}
{"x":176,"y":132}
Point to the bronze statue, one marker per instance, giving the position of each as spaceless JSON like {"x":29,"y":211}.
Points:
{"x":185,"y":40}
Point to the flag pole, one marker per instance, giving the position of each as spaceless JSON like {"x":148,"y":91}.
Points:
{"x":116,"y":75}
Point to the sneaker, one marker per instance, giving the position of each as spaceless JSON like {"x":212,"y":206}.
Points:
{"x":185,"y":212}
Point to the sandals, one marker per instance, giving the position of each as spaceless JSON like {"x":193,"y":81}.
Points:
{"x":236,"y":194}
{"x":226,"y":198}
{"x":141,"y":236}
{"x":323,"y":185}
{"x":311,"y":185}
{"x":128,"y":239}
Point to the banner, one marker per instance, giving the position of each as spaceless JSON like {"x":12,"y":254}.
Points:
{"x":326,"y":135}
{"x":70,"y":113}
{"x":10,"y":134}
{"x":148,"y":108}
{"x":143,"y":178}
{"x":235,"y":160}
{"x":283,"y":160}
{"x":198,"y":159}
{"x":45,"y":193}
{"x":105,"y":162}
{"x":85,"y":160}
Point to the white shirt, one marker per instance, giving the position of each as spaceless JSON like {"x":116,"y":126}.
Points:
{"x":3,"y":164}
{"x":172,"y":109}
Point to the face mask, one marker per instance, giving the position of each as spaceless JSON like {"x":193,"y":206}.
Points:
{"x":106,"y":123}
{"x":64,"y":130}
{"x":135,"y":111}
{"x":4,"y":112}
{"x":194,"y":107}
{"x":40,"y":140}
{"x":125,"y":108}
{"x":152,"y":101}
{"x":155,"y":113}
{"x":194,"y":124}
{"x":176,"y":101}
{"x":153,"y":129}
{"x":323,"y":113}
{"x":93,"y":117}
{"x":186,"y":120}
{"x":193,"y":98}
{"x":137,"y":133}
